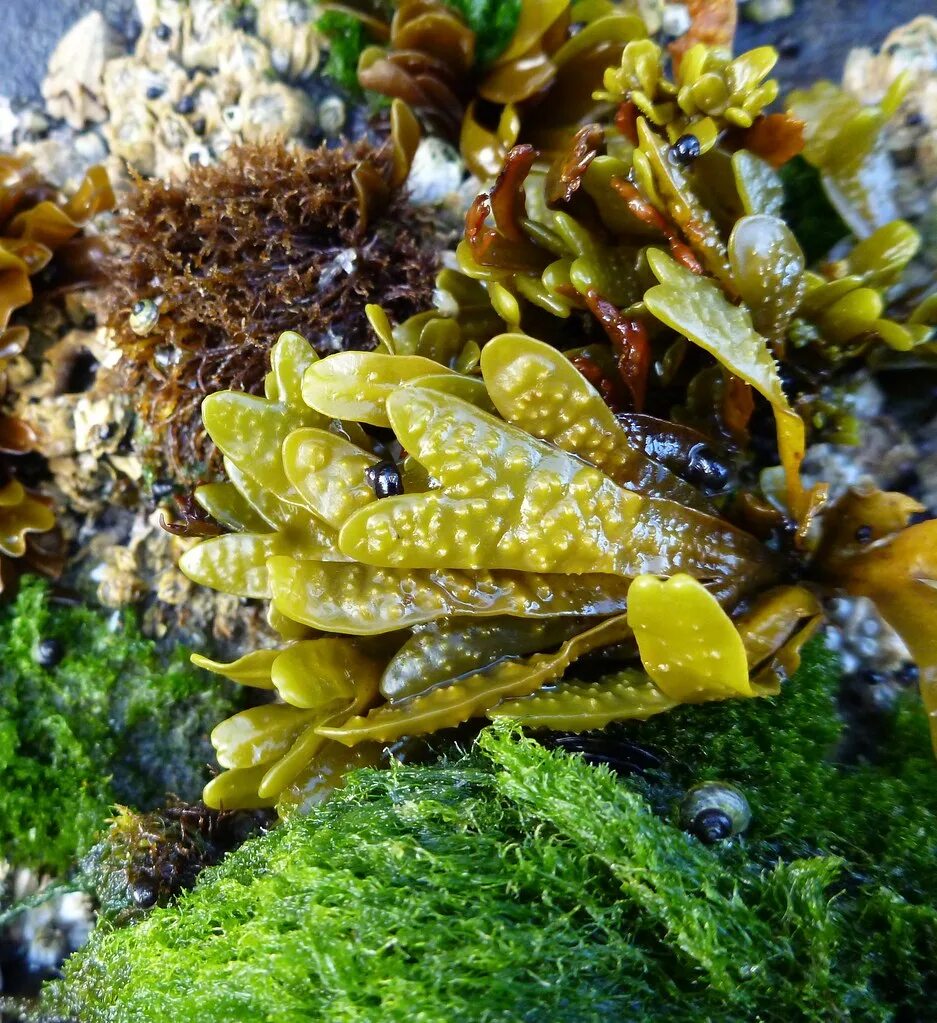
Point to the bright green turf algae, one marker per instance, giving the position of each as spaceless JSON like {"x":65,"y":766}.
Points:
{"x":112,"y":722}
{"x":523,"y":884}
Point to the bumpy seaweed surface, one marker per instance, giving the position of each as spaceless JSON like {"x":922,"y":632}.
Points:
{"x":108,"y":722}
{"x":522,"y":884}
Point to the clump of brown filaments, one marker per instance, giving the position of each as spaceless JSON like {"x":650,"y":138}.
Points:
{"x":270,"y":239}
{"x":147,"y":859}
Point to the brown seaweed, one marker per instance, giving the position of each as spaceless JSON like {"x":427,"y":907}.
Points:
{"x":208,"y":271}
{"x":44,"y":252}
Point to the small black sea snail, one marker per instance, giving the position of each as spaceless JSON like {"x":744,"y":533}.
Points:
{"x":384,"y":479}
{"x":48,"y":653}
{"x":685,"y":150}
{"x":713,"y":811}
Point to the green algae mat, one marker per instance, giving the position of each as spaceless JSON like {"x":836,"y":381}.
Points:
{"x":90,"y":715}
{"x":520,"y":883}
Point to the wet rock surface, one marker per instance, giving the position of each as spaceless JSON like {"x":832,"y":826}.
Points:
{"x":815,"y":41}
{"x":32,"y":32}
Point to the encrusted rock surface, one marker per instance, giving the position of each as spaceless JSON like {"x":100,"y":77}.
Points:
{"x":73,"y":87}
{"x":910,"y":137}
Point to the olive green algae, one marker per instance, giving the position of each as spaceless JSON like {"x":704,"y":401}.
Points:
{"x":110,"y":722}
{"x":808,"y":211}
{"x":493,"y":22}
{"x":520,"y":883}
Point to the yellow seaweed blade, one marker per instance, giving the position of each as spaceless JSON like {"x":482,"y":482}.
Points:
{"x":455,"y":647}
{"x":360,"y":681}
{"x":236,"y":790}
{"x":469,"y":389}
{"x":300,"y":530}
{"x":328,"y":472}
{"x":227,"y":505}
{"x":538,"y":389}
{"x":317,"y":673}
{"x":265,"y":504}
{"x":250,"y":430}
{"x":684,"y":207}
{"x":361,"y":600}
{"x":581,"y":706}
{"x":235,"y":563}
{"x":290,"y":357}
{"x":450,"y":705}
{"x":286,"y":628}
{"x":16,"y":521}
{"x":775,"y":628}
{"x":696,"y":307}
{"x":759,"y":186}
{"x":294,"y":761}
{"x":688,"y":644}
{"x":258,"y":735}
{"x":356,"y":385}
{"x":772,"y":633}
{"x":324,"y":774}
{"x":508,"y":501}
{"x":535,"y":18}
{"x":253,"y":669}
{"x":12,"y":494}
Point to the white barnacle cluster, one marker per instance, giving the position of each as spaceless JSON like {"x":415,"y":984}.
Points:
{"x":863,"y":640}
{"x":203,"y":75}
{"x":911,"y":136}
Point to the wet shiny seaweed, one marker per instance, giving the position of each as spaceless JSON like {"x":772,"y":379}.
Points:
{"x":207,"y":272}
{"x":597,"y":436}
{"x":44,"y":252}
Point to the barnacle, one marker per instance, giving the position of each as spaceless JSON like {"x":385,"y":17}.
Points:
{"x":571,"y":453}
{"x":202,"y":77}
{"x":271,"y":238}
